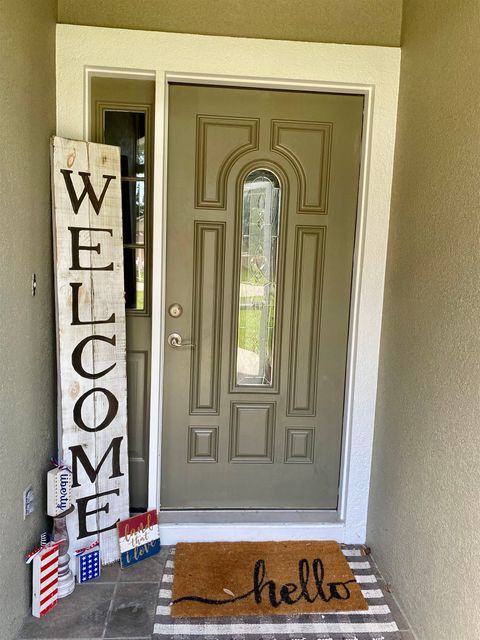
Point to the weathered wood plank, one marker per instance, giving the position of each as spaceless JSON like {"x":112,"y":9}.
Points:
{"x":88,"y":247}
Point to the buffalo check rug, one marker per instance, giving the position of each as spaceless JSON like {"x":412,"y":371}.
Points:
{"x":376,"y":623}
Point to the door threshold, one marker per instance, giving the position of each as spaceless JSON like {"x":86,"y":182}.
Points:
{"x":238,"y":525}
{"x":233,"y":516}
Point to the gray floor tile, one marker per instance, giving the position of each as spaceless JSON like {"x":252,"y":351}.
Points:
{"x":90,"y":611}
{"x":80,"y":615}
{"x":149,"y":570}
{"x":394,"y":608}
{"x":110,"y":573}
{"x":133,"y":610}
{"x":376,"y":570}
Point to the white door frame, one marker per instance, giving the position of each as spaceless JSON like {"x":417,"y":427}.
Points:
{"x":371,"y":71}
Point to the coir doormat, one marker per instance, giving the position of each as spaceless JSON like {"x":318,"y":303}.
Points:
{"x":214,"y":579}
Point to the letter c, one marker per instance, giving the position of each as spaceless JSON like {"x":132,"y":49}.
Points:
{"x":77,"y":357}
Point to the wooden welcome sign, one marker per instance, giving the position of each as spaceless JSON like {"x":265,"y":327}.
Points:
{"x":88,"y":251}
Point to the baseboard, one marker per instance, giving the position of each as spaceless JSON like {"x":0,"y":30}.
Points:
{"x":171,"y":532}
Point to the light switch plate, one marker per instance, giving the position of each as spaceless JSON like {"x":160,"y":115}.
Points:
{"x":28,"y":502}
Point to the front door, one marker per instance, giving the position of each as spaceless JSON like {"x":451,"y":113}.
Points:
{"x":262,"y":199}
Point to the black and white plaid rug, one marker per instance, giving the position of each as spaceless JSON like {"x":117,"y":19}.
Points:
{"x":375,"y":624}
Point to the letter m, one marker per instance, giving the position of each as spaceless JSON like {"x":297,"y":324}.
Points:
{"x":79,"y":455}
{"x":87,"y":188}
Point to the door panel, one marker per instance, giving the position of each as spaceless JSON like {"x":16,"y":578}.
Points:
{"x":138,"y":432}
{"x":252,"y":429}
{"x":220,"y":141}
{"x":207,"y":309}
{"x":262,"y":196}
{"x":306,"y":301}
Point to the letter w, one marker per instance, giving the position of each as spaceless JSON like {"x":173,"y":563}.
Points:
{"x":87,"y":188}
{"x":78,"y":454}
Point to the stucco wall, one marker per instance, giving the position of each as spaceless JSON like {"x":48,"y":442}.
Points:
{"x":424,"y":520}
{"x":27,"y":380}
{"x":344,"y":21}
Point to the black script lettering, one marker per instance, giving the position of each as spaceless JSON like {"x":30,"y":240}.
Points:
{"x":82,"y":504}
{"x":285,"y":592}
{"x":79,"y":455}
{"x":77,"y":357}
{"x":75,"y":317}
{"x":87,"y":188}
{"x":259,"y":574}
{"x":64,"y":481}
{"x":77,"y":247}
{"x":303,"y":577}
{"x":319,"y":577}
{"x":111,"y":413}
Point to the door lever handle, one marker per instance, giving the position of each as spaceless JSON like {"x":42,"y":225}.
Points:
{"x":176,"y":342}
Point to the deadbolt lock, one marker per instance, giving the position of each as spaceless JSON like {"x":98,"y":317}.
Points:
{"x":175,"y":310}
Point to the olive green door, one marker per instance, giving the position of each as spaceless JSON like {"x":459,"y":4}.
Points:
{"x":122,"y":115}
{"x":262,"y":199}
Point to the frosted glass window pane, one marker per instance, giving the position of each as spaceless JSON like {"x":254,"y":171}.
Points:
{"x":258,"y":279}
{"x":133,"y":210}
{"x":134,"y":277}
{"x":126,"y":129}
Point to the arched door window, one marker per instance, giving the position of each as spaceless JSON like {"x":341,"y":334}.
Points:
{"x":258,"y":278}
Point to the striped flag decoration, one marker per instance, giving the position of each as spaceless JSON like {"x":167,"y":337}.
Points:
{"x":138,"y":538}
{"x":45,"y":580}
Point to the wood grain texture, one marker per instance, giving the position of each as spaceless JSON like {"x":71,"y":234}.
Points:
{"x":92,"y":388}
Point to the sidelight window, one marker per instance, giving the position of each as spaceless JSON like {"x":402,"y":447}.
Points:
{"x":128,"y":130}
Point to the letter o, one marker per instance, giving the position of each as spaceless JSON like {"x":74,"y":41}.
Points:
{"x":111,"y":413}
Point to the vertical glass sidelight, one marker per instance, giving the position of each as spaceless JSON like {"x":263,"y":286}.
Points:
{"x":257,"y":295}
{"x":127,"y":129}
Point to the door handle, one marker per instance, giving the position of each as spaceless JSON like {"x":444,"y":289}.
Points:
{"x":176,"y":342}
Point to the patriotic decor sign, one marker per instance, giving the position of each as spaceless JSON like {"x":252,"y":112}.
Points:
{"x":59,"y":488}
{"x":89,"y":288}
{"x":88,"y":563}
{"x":45,"y":579}
{"x":139,"y":538}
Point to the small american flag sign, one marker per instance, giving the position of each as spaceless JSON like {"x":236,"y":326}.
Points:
{"x":45,"y":580}
{"x":88,"y":566}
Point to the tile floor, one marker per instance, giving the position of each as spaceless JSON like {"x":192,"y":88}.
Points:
{"x":121,"y":605}
{"x":397,"y":613}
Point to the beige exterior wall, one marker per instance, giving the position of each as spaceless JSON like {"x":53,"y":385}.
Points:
{"x":344,"y":21}
{"x":424,"y":521}
{"x":27,"y":340}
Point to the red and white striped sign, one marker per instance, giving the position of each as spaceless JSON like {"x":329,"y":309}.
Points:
{"x":45,"y":580}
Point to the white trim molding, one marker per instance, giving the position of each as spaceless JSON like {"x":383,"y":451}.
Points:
{"x":372,"y":71}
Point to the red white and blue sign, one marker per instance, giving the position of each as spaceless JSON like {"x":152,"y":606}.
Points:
{"x":88,"y":560}
{"x":44,"y":578}
{"x":139,"y":538}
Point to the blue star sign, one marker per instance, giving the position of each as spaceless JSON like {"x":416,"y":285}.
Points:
{"x":89,"y":565}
